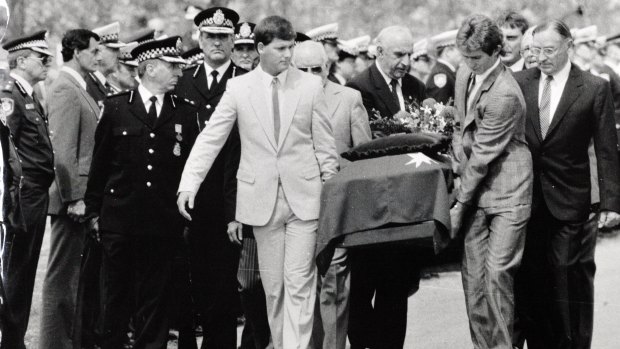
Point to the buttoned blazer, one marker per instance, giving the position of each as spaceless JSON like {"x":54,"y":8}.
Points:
{"x":347,"y":115}
{"x":494,"y":163}
{"x":305,"y":153}
{"x":73,"y":117}
{"x":561,"y":165}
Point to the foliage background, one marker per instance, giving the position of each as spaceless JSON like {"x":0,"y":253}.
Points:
{"x":359,"y":17}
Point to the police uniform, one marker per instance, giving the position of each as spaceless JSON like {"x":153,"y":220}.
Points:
{"x":440,"y":83}
{"x":97,"y":85}
{"x":213,"y":258}
{"x":27,"y":123}
{"x":326,"y":34}
{"x":137,"y":163}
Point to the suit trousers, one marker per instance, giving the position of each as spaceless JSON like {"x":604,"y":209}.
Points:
{"x":555,"y":285}
{"x":286,"y":248}
{"x":20,"y":256}
{"x":61,"y":283}
{"x":136,"y":271}
{"x":494,"y":241}
{"x":87,"y":328}
{"x":331,"y":314}
{"x":256,"y":334}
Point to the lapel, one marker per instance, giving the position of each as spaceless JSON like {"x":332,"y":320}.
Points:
{"x":290,"y":94}
{"x":530,"y":95}
{"x":486,"y":85}
{"x":98,"y":83}
{"x":136,"y":107}
{"x":258,"y":102}
{"x":167,"y":110}
{"x":221,"y":85}
{"x":89,"y":100}
{"x":569,"y":96}
{"x":331,"y":93}
{"x":383,"y":90}
{"x":200,"y":82}
{"x":460,"y":101}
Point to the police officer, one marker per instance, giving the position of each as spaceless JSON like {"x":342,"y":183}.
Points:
{"x":214,"y":259}
{"x":97,"y":84}
{"x":244,"y":53}
{"x":29,"y":59}
{"x":141,"y":143}
{"x":440,"y":83}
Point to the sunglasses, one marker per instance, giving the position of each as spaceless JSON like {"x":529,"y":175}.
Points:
{"x":45,"y":60}
{"x":315,"y":70}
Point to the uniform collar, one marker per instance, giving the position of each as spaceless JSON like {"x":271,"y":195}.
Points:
{"x":447,"y":64}
{"x":25,"y":84}
{"x":146,"y":95}
{"x":220,"y":70}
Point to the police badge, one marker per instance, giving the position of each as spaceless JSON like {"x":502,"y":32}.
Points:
{"x":177,"y":149}
{"x":440,"y":80}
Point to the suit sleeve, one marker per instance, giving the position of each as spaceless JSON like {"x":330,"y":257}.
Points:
{"x":232,"y":156}
{"x":360,"y":129}
{"x":367,"y":100}
{"x":98,"y":174}
{"x":209,"y":143}
{"x":605,"y":147}
{"x":323,"y":137}
{"x":64,"y":125}
{"x":493,"y":135}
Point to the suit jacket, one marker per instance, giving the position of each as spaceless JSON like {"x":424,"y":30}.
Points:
{"x":305,"y":153}
{"x":348,"y":116}
{"x":136,"y":166}
{"x":73,"y":117}
{"x":376,"y":93}
{"x":495,"y":164}
{"x":96,"y":89}
{"x":561,"y":165}
{"x":441,"y":83}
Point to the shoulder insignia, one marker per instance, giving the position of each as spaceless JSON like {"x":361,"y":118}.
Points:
{"x":117,"y":94}
{"x":440,"y":80}
{"x":20,"y":88}
{"x":234,"y":71}
{"x":172,"y":98}
{"x":7,"y":105}
{"x":196,"y":71}
{"x":8,"y":86}
{"x":131,"y":96}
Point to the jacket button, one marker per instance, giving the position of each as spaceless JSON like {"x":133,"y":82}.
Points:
{"x":151,"y":151}
{"x":149,"y":167}
{"x":152,"y":135}
{"x":124,"y":133}
{"x":208,"y":106}
{"x":112,"y":191}
{"x":148,"y":184}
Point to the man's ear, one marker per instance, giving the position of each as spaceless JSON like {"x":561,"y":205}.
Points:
{"x":260,"y":47}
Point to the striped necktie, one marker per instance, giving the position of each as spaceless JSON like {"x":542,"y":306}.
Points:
{"x":545,"y":107}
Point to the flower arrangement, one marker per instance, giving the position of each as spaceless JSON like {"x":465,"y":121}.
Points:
{"x":430,"y":117}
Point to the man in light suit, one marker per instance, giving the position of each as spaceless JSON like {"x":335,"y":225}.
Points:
{"x":350,"y":127}
{"x":73,"y":117}
{"x":287,"y":150}
{"x":495,"y":168}
{"x":567,"y":108}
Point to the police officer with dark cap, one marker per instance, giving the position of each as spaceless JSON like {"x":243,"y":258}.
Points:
{"x":142,"y":141}
{"x":97,"y":84}
{"x":214,"y":258}
{"x":441,"y":81}
{"x":29,"y":58}
{"x":244,"y":53}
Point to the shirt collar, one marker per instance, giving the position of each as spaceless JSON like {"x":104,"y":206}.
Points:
{"x":388,"y":79}
{"x":447,"y":64}
{"x":561,"y":76}
{"x":100,"y":76}
{"x":518,"y":65}
{"x":268,"y":78}
{"x":75,"y":75}
{"x":25,"y":84}
{"x":146,"y":95}
{"x":220,"y":70}
{"x":480,"y":78}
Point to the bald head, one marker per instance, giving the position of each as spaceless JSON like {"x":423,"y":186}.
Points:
{"x":394,"y":49}
{"x":310,"y":56}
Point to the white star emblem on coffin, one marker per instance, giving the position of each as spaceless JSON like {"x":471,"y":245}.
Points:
{"x":418,"y":159}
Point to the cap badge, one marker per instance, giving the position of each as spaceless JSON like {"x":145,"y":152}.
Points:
{"x":218,"y":17}
{"x":245,"y":30}
{"x":179,"y":45}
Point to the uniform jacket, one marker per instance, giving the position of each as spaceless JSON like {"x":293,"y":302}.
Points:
{"x":440,"y":84}
{"x":28,"y":125}
{"x":376,"y":93}
{"x":347,"y":115}
{"x":216,"y":200}
{"x":96,"y":89}
{"x":11,"y":214}
{"x":305,"y":154}
{"x":73,"y":117}
{"x":136,"y":166}
{"x":494,"y":162}
{"x":561,"y":166}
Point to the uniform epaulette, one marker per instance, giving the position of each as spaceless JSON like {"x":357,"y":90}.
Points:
{"x":184,"y":100}
{"x":118,"y":94}
{"x":8,"y":86}
{"x":189,"y":67}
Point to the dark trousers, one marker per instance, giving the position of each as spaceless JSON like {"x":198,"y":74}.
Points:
{"x":136,"y":272}
{"x":61,"y":283}
{"x":256,"y":333}
{"x":387,"y":273}
{"x":20,"y":256}
{"x":181,"y":305}
{"x":214,"y":261}
{"x":554,"y":288}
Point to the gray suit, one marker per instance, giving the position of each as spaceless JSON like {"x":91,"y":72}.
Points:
{"x":495,"y":168}
{"x":72,"y":121}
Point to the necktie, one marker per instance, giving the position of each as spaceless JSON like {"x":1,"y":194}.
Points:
{"x":38,"y":104}
{"x":214,"y":80}
{"x":393,"y":84}
{"x":152,"y":114}
{"x":545,"y":107}
{"x":276,"y":109}
{"x":470,"y":86}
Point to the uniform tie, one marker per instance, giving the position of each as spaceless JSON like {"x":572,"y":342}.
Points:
{"x":214,"y":80}
{"x":393,"y":84}
{"x":276,"y":109}
{"x":38,"y":105}
{"x":152,"y":114}
{"x":545,"y":107}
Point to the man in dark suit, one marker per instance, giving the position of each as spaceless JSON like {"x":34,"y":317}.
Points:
{"x":440,"y":83}
{"x":72,"y":121}
{"x":389,"y":273}
{"x":29,"y":59}
{"x":566,"y":109}
{"x":495,"y":168}
{"x":213,"y":257}
{"x":141,"y":144}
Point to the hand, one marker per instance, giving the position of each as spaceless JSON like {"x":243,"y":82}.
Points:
{"x":608,"y":219}
{"x":186,"y":198}
{"x":235,"y":232}
{"x":76,"y":210}
{"x":456,"y":218}
{"x":93,"y":228}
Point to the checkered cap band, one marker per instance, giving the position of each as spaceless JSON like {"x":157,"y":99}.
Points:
{"x":29,"y":44}
{"x":109,"y":38}
{"x":158,"y":52}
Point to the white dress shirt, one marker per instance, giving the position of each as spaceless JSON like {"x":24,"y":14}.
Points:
{"x":75,"y":75}
{"x":146,"y":99}
{"x":399,"y":88}
{"x":220,"y":72}
{"x":479,"y":81}
{"x":25,"y":84}
{"x":267,"y":80}
{"x":557,"y":88}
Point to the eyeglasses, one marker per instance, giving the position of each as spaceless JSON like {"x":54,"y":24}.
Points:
{"x":315,"y":70}
{"x":547,"y":51}
{"x":45,"y":60}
